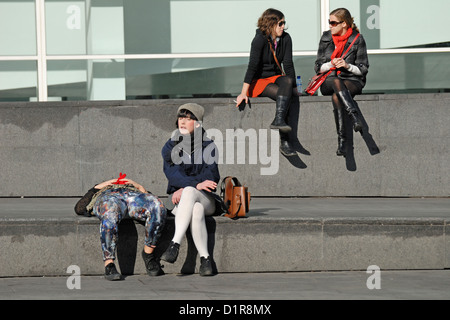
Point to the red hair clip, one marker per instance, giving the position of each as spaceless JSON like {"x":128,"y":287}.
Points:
{"x":120,"y":179}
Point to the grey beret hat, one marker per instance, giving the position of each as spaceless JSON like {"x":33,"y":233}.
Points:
{"x":196,"y":109}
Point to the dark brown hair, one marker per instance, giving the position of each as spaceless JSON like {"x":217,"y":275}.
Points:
{"x":268,"y":20}
{"x":185,"y":114}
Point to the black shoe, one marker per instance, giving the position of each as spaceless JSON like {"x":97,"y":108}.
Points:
{"x":152,"y":265}
{"x":205,"y":267}
{"x":111,"y":273}
{"x":286,"y":148}
{"x":282,"y":108}
{"x":171,"y":253}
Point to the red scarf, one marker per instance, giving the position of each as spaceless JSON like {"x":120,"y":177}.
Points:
{"x":339,"y":42}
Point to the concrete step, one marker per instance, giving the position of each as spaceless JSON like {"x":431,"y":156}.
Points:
{"x":43,"y":237}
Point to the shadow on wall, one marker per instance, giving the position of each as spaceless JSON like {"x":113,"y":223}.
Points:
{"x":350,"y":161}
{"x":127,"y":245}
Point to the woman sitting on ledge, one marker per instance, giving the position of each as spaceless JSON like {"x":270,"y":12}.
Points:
{"x":348,"y":76}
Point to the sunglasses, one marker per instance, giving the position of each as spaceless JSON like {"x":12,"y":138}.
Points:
{"x":281,"y":23}
{"x":334,"y":23}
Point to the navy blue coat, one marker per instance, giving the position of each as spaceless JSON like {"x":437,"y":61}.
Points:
{"x":183,"y":169}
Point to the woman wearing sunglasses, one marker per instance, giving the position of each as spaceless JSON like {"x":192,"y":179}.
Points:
{"x":272,"y":47}
{"x":348,"y":76}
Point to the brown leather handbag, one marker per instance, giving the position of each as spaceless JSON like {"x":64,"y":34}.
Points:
{"x":235,"y":197}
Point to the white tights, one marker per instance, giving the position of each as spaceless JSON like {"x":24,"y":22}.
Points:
{"x":194,"y":205}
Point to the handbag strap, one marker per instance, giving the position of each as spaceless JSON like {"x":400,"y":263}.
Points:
{"x":351,"y":44}
{"x":234,"y":180}
{"x":345,"y":53}
{"x":275,"y":57}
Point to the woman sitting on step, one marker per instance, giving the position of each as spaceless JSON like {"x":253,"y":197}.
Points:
{"x":115,"y":199}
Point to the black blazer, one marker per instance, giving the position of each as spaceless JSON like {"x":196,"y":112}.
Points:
{"x":262,"y":63}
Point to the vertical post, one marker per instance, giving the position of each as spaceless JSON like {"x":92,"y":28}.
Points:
{"x":41,"y":51}
{"x":324,"y":15}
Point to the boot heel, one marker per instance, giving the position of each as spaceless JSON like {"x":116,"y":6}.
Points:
{"x":283,"y":128}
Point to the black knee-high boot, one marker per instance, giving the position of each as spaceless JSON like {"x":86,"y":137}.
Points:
{"x":340,"y":129}
{"x":282,"y":107}
{"x":350,"y":107}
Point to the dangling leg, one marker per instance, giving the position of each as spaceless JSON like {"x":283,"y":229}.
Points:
{"x":149,"y":209}
{"x":110,"y":210}
{"x":346,"y":90}
{"x":281,"y":92}
{"x":283,"y":86}
{"x":340,"y":127}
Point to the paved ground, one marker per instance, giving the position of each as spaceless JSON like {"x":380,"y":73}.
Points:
{"x":404,"y":285}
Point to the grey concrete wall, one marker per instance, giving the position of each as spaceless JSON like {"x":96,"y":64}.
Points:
{"x":64,"y":148}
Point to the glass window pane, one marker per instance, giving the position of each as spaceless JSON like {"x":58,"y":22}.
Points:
{"x":18,"y":80}
{"x":193,"y":78}
{"x":178,"y":78}
{"x":106,"y":27}
{"x":162,"y":26}
{"x":418,"y":72}
{"x":86,"y":79}
{"x":214,"y":77}
{"x":182,"y":78}
{"x":67,"y":80}
{"x":387,"y":24}
{"x":70,"y":32}
{"x":150,"y":79}
{"x":65,"y":27}
{"x":414,"y":23}
{"x":225,"y":26}
{"x":18,"y":25}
